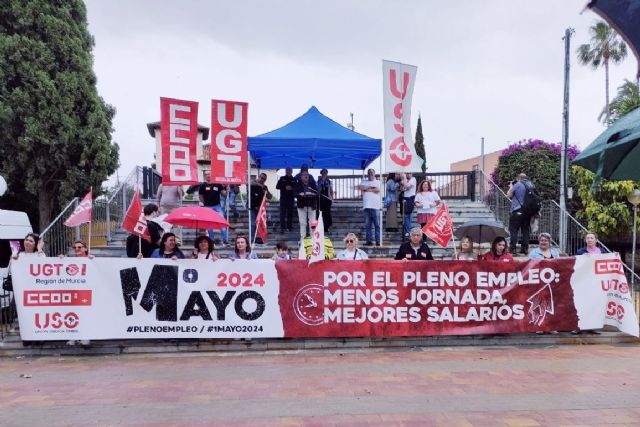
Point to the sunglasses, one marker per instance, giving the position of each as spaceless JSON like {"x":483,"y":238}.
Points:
{"x":350,"y":241}
{"x":78,"y":247}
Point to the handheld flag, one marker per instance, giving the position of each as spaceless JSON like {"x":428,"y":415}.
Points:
{"x":317,"y":242}
{"x":261,"y":220}
{"x":440,"y":227}
{"x":82,"y":213}
{"x":134,"y":221}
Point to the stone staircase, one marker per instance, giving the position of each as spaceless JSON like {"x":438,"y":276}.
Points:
{"x":347,"y":217}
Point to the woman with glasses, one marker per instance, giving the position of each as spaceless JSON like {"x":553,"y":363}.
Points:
{"x":351,"y":251}
{"x":544,"y":249}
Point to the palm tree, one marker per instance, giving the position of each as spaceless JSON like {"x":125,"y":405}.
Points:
{"x":606,"y":46}
{"x":627,"y":100}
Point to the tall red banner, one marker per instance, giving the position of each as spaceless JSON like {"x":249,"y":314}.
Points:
{"x":179,"y":136}
{"x":228,"y":142}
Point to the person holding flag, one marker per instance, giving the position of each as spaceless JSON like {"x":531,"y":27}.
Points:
{"x":318,"y":246}
{"x":82,"y":214}
{"x":261,"y":221}
{"x":138,"y":222}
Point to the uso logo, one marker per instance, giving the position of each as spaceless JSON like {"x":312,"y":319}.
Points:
{"x":615,"y":310}
{"x":57,"y":320}
{"x":608,"y":266}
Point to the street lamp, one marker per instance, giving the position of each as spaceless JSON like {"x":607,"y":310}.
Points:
{"x":634,"y":199}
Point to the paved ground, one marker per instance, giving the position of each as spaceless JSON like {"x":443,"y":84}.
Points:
{"x":573,"y":385}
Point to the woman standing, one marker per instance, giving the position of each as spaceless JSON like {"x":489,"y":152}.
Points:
{"x":592,"y":248}
{"x":465,"y":251}
{"x":427,"y":201}
{"x":168,"y":248}
{"x":498,"y":251}
{"x":326,"y":196}
{"x":203,"y":249}
{"x":391,"y":202}
{"x":243,"y":249}
{"x":544,"y":249}
{"x":351,"y":252}
{"x":32,"y":245}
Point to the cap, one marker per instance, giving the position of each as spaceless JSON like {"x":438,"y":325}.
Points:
{"x":313,"y":223}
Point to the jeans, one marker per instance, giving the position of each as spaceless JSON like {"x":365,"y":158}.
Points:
{"x":232,"y":203}
{"x":224,"y":232}
{"x":519,"y":222}
{"x":408,"y":211}
{"x":372,"y":217}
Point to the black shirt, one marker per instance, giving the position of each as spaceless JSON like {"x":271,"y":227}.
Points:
{"x":210,"y":193}
{"x":407,"y":252}
{"x":282,"y":184}
{"x":154,"y":231}
{"x":311,"y":189}
{"x":257,"y":194}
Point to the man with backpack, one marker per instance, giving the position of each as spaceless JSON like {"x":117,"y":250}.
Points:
{"x":525,"y":204}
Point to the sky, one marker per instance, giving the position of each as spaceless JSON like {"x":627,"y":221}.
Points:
{"x":491,"y":69}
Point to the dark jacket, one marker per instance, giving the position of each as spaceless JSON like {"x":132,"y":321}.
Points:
{"x":406,"y":252}
{"x":311,"y":199}
{"x":257,"y":193}
{"x":286,"y":195}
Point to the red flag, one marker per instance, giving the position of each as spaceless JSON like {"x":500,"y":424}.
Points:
{"x":82,"y":212}
{"x":261,"y":220}
{"x":440,"y":227}
{"x":134,"y":220}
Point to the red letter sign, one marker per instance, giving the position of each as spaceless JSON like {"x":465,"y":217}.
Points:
{"x":228,"y":142}
{"x":179,"y":134}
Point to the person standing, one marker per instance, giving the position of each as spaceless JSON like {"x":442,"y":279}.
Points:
{"x":305,"y":168}
{"x":210,"y":196}
{"x":409,"y":189}
{"x":591,"y":248}
{"x":306,"y":193}
{"x":371,"y":206}
{"x":155,"y":231}
{"x":232,"y":193}
{"x":169,"y":198}
{"x":258,"y":191}
{"x":427,"y":201}
{"x":325,"y":198}
{"x":519,"y":221}
{"x":285,"y":185}
{"x":391,"y":202}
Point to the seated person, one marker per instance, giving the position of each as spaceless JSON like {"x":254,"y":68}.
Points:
{"x":465,"y":251}
{"x":498,"y":251}
{"x":415,"y":249}
{"x":328,"y":246}
{"x":544,"y":249}
{"x":352,"y":252}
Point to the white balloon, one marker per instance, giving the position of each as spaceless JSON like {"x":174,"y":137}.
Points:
{"x":3,"y":186}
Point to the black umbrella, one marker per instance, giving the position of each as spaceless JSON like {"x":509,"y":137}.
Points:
{"x":481,"y":230}
{"x":624,"y":17}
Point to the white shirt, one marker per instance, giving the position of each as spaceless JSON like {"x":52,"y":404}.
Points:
{"x":428,"y":200}
{"x":371,"y":200}
{"x":358,"y":254}
{"x":411,"y":191}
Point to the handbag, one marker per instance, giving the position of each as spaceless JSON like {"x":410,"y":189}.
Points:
{"x":7,"y":284}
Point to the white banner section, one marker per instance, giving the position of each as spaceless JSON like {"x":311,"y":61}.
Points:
{"x":106,"y":298}
{"x":602,"y":295}
{"x":398,"y":81}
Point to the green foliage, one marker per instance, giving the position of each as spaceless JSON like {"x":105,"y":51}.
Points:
{"x":56,"y":130}
{"x":419,"y":144}
{"x":605,"y":211}
{"x":627,"y":100}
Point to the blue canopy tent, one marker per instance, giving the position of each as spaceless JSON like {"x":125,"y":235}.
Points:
{"x":316,"y":140}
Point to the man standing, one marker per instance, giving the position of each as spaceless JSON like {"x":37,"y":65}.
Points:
{"x":409,"y":188}
{"x":519,"y":221}
{"x":326,"y":195}
{"x":155,"y":231}
{"x":306,"y":193}
{"x":285,"y":185}
{"x":210,"y":196}
{"x":258,"y":191}
{"x":371,"y":206}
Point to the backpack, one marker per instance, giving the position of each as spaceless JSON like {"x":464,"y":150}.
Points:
{"x":532,"y":201}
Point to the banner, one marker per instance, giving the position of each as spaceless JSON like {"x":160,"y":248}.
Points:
{"x":107,"y":298}
{"x":440,"y":227}
{"x":134,"y":220}
{"x":83,"y":212}
{"x":228,"y":142}
{"x":398,"y":81}
{"x":179,"y":137}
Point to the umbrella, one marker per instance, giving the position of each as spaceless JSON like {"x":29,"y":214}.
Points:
{"x":197,"y":217}
{"x":623,"y":16}
{"x":160,"y":220}
{"x":481,"y":230}
{"x":615,"y":154}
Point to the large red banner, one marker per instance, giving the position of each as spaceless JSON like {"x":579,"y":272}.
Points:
{"x":179,"y":136}
{"x":228,"y":142}
{"x":396,"y":298}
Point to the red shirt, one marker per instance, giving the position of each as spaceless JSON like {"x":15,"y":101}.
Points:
{"x":489,"y":256}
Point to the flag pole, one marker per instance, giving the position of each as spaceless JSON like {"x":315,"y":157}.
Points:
{"x":139,"y":245}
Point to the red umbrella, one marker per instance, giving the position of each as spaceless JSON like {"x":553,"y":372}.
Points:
{"x":197,"y":217}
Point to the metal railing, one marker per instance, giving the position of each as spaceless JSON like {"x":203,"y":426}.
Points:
{"x":449,"y":185}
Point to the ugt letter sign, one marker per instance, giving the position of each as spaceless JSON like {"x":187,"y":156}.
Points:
{"x":179,"y":135}
{"x":228,"y":142}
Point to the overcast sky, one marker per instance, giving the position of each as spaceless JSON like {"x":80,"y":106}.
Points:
{"x":490,"y":69}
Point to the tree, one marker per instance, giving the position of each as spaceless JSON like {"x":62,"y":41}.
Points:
{"x":605,"y":210}
{"x":606,"y":46}
{"x":627,"y":100}
{"x":539,"y":160}
{"x":56,"y":131}
{"x":419,"y":144}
